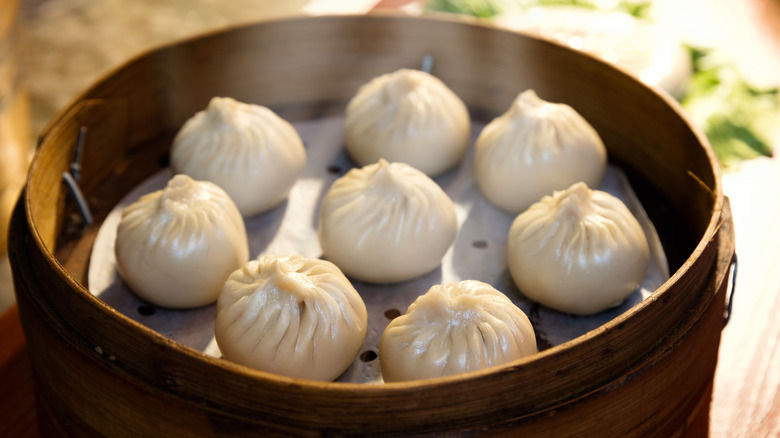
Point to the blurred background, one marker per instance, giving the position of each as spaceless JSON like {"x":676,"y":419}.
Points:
{"x":719,"y":58}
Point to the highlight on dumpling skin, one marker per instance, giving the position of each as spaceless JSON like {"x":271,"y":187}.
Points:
{"x":455,"y":328}
{"x":533,"y":149}
{"x":386,"y":222}
{"x":248,"y":150}
{"x":408,"y":116}
{"x":579,"y":251}
{"x":291,"y":315}
{"x":176,"y":246}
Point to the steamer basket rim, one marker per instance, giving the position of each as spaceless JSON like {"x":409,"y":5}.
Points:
{"x":709,"y":234}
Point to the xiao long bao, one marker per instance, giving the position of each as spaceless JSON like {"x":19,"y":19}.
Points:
{"x":291,"y":315}
{"x":248,"y":150}
{"x":534,"y":148}
{"x":579,"y":251}
{"x":455,"y":328}
{"x":176,"y":246}
{"x":407,"y":116}
{"x":386,"y":222}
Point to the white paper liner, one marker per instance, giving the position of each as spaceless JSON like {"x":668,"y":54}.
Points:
{"x":479,"y":253}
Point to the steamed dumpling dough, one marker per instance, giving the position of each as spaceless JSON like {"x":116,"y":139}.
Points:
{"x":578,"y":251}
{"x":291,"y":315}
{"x":454,"y":328}
{"x":176,"y":246}
{"x":386,"y":222}
{"x":246,"y":149}
{"x":535,"y":148}
{"x":408,"y":116}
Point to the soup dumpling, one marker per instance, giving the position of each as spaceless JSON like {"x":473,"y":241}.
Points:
{"x":248,"y":150}
{"x":176,"y":246}
{"x":454,"y":328}
{"x":386,"y":222}
{"x":579,"y":251}
{"x":407,"y":116}
{"x":291,"y":315}
{"x":533,"y":149}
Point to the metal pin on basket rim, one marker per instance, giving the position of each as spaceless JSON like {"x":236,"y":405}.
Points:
{"x":427,"y":63}
{"x":75,"y":166}
{"x":75,"y":191}
{"x":71,"y":178}
{"x":732,"y":285}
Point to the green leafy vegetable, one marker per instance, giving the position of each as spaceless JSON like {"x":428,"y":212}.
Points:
{"x":474,"y":8}
{"x":737,"y":118}
{"x":491,"y":8}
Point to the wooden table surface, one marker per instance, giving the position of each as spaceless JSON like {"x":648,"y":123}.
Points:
{"x":17,"y":402}
{"x":746,"y":398}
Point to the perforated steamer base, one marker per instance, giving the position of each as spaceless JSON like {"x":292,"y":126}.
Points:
{"x":479,"y":253}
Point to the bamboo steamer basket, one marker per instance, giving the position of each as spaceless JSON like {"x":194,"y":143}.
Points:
{"x":648,"y":372}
